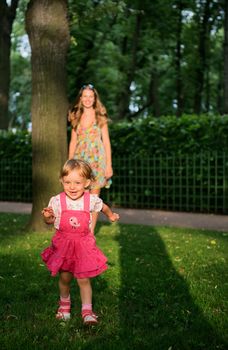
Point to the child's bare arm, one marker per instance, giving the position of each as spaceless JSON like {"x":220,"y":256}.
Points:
{"x":48,"y":215}
{"x":109,"y":213}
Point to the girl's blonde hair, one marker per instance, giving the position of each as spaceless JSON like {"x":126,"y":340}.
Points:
{"x":82,"y":166}
{"x":76,"y":112}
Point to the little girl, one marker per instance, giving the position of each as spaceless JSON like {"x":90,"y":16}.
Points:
{"x":73,"y":252}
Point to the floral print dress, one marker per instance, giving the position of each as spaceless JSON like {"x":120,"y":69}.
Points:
{"x":91,"y":149}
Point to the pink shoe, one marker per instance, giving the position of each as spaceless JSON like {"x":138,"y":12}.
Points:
{"x":63,"y":312}
{"x":89,"y":317}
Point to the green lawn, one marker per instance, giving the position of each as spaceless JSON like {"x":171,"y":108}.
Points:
{"x":166,"y":289}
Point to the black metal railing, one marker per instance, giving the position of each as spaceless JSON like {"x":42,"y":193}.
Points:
{"x":196,"y":183}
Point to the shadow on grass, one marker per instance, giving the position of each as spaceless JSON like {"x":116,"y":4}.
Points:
{"x":156,"y":308}
{"x":152,"y":309}
{"x":12,"y":225}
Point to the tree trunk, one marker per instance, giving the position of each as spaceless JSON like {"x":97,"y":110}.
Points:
{"x":124,"y":98}
{"x":47,"y":27}
{"x":178,"y":61}
{"x":201,"y":68}
{"x":7,"y":16}
{"x":207,"y":90}
{"x":226,"y":58}
{"x":153,"y":94}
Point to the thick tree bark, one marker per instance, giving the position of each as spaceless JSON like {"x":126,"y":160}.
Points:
{"x":7,"y":16}
{"x":47,"y":27}
{"x":226,"y":58}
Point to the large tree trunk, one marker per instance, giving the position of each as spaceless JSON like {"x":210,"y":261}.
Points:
{"x":7,"y":16}
{"x":226,"y":58}
{"x":47,"y":27}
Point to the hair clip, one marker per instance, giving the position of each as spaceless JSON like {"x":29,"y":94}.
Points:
{"x":88,"y":86}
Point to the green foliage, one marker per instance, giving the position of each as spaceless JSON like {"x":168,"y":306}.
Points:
{"x":16,"y":166}
{"x":144,"y":137}
{"x":131,"y":65}
{"x":15,"y":146}
{"x":20,"y":80}
{"x":163,"y":285}
{"x":169,"y":134}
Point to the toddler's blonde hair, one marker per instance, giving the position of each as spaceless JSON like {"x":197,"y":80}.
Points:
{"x":82,"y":166}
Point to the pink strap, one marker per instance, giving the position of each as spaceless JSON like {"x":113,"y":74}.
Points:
{"x":63,"y":201}
{"x":87,"y":201}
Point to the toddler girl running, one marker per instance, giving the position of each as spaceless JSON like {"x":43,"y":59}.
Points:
{"x":73,"y":252}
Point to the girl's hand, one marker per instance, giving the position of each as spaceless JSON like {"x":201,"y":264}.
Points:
{"x":114,"y":217}
{"x":48,"y":212}
{"x":108,"y":172}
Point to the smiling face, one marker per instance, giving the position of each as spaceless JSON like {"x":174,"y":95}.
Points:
{"x":74,"y":184}
{"x":87,"y":98}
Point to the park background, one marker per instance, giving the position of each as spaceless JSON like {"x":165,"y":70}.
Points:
{"x":161,"y":68}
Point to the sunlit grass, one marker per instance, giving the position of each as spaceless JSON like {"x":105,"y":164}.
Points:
{"x":165,"y":289}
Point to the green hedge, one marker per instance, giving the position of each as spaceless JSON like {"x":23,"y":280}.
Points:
{"x":169,"y":134}
{"x":145,"y":136}
{"x":15,"y":146}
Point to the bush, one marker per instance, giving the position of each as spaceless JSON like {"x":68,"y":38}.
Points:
{"x":169,"y":134}
{"x":16,"y":166}
{"x":144,"y":136}
{"x":15,"y":146}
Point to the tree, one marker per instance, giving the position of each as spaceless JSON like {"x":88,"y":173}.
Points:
{"x":47,"y":27}
{"x":144,"y":57}
{"x":226,"y":57}
{"x":7,"y":16}
{"x":20,"y":80}
{"x":179,"y":59}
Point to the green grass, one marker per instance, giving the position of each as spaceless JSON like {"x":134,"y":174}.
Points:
{"x":166,"y":289}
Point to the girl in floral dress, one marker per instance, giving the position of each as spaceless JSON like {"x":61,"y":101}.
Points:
{"x":90,"y":138}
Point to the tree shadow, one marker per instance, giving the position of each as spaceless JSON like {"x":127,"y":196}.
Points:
{"x":156,"y":308}
{"x":153,"y":306}
{"x":11,"y":223}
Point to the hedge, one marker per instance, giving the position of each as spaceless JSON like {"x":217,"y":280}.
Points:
{"x":144,"y":136}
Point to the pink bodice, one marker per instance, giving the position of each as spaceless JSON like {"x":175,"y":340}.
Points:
{"x":74,"y":222}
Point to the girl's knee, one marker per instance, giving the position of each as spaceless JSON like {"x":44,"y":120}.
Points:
{"x":83,"y":281}
{"x":65,"y":277}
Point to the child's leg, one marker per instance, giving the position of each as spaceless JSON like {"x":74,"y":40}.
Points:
{"x":64,"y":283}
{"x":86,"y":297}
{"x":85,"y":290}
{"x":63,"y":312}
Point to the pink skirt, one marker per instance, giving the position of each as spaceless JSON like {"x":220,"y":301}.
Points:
{"x":76,"y":254}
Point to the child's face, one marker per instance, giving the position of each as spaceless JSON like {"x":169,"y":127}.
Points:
{"x":87,"y":98}
{"x":74,"y":184}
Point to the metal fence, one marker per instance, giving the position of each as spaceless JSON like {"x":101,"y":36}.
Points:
{"x":16,"y":180}
{"x":195,"y":183}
